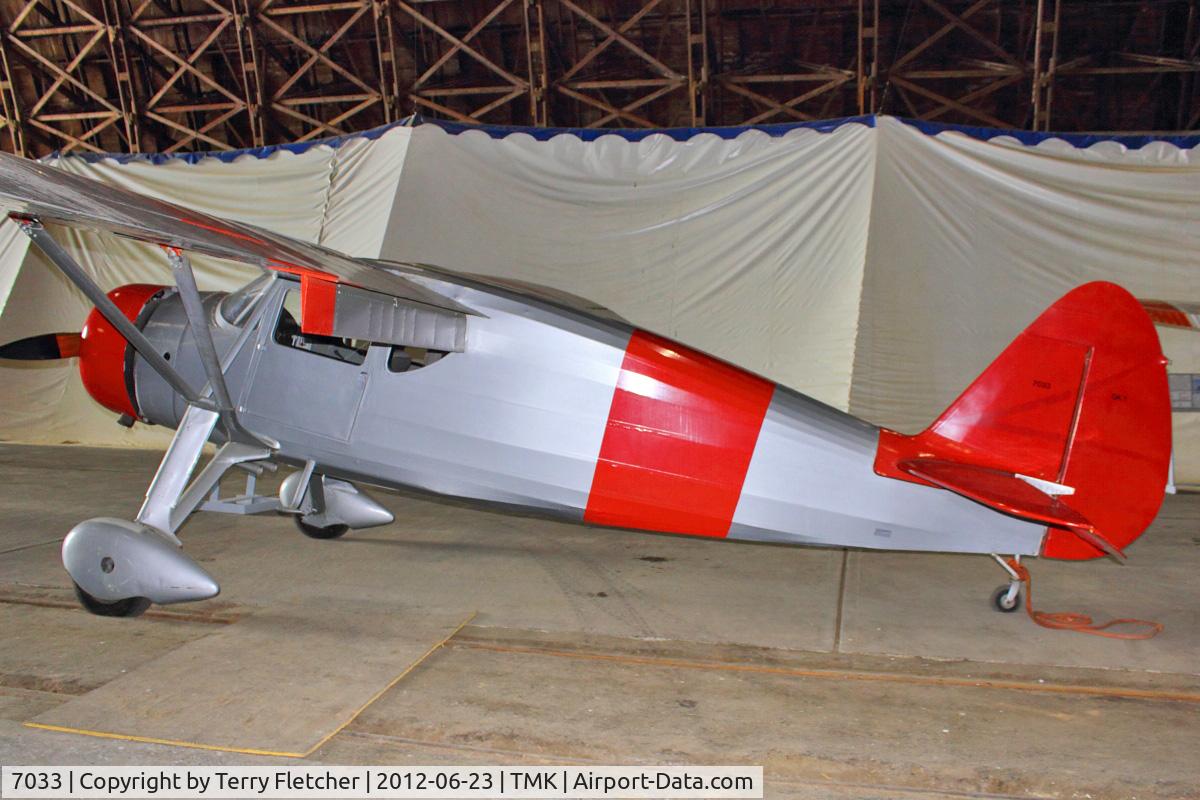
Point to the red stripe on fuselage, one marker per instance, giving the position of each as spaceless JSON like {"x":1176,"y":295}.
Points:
{"x":678,"y":442}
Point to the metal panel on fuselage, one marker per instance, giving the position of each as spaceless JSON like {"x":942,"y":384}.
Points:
{"x":812,"y":481}
{"x":518,"y":418}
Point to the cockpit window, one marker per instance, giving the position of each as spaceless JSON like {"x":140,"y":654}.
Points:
{"x":406,"y":359}
{"x":288,"y":334}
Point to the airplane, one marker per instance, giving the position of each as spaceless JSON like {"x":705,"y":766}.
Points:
{"x":353,"y":372}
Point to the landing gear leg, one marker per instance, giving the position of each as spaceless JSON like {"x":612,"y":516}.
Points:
{"x":303,"y":494}
{"x":1007,"y":598}
{"x":325,"y":508}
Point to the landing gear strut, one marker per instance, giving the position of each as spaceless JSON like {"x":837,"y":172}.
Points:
{"x":326,"y":508}
{"x":1007,"y":598}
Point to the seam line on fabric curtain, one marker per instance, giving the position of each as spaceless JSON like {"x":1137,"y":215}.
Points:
{"x":877,"y":134}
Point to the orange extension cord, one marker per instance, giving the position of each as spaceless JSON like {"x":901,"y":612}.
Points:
{"x":1067,"y":621}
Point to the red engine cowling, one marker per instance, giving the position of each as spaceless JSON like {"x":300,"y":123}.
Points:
{"x":105,"y":358}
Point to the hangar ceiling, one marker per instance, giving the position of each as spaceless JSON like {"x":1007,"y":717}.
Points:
{"x":179,"y":75}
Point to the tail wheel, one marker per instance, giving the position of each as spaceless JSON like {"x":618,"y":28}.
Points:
{"x":129,"y":607}
{"x":315,"y":532}
{"x":1002,"y":602}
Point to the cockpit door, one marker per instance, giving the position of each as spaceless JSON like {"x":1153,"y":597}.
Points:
{"x":301,"y":383}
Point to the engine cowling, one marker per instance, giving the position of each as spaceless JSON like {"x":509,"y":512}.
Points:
{"x":105,"y":358}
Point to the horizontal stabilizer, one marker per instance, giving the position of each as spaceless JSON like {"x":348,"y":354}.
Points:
{"x":1008,"y":492}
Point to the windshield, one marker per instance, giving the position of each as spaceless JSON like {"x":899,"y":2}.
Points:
{"x":235,"y":307}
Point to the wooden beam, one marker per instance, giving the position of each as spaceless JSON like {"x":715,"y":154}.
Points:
{"x":14,"y":122}
{"x":189,"y":66}
{"x":80,"y":141}
{"x":612,"y":110}
{"x":321,"y":55}
{"x":696,"y":12}
{"x":441,"y":109}
{"x":534,"y":23}
{"x":449,"y":37}
{"x":385,"y":53}
{"x":317,"y":125}
{"x":314,"y":54}
{"x":30,"y":53}
{"x":976,"y":94}
{"x":795,"y":101}
{"x":617,"y":35}
{"x":251,"y":73}
{"x":181,"y":64}
{"x":457,"y":46}
{"x":638,"y":103}
{"x":122,"y":73}
{"x":64,"y":74}
{"x":939,"y":34}
{"x":624,"y":83}
{"x":954,"y":104}
{"x":487,"y":108}
{"x":202,"y":132}
{"x":960,"y":22}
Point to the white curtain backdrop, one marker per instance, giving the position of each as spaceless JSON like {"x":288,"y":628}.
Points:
{"x":874,"y":266}
{"x":749,"y":248}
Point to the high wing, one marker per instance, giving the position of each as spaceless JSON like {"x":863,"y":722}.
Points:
{"x":30,"y":189}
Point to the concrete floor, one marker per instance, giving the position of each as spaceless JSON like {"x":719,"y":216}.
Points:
{"x":847,"y":675}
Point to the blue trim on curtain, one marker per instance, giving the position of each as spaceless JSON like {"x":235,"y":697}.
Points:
{"x":1029,"y":138}
{"x":1183,"y":141}
{"x":638,"y":134}
{"x":232,"y":155}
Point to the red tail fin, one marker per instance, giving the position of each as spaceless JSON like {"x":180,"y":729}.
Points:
{"x":1076,"y":409}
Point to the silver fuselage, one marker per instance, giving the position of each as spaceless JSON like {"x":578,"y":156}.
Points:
{"x":519,"y":417}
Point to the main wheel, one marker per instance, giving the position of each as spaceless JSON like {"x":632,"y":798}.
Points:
{"x":1001,"y":601}
{"x":314,"y":532}
{"x":129,"y":607}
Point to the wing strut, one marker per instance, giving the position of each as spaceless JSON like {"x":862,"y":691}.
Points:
{"x":185,"y":280}
{"x":170,"y":498}
{"x":76,"y":274}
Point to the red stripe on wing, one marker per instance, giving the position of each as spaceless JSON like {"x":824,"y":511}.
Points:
{"x":222,"y":230}
{"x":1166,"y":314}
{"x":318,"y":305}
{"x":680,"y":434}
